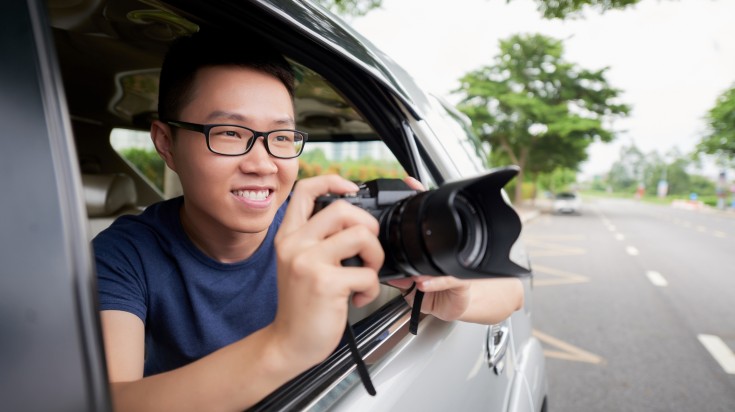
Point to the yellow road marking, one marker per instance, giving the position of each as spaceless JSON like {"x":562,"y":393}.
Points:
{"x":566,"y":351}
{"x":560,"y":277}
{"x":547,"y":246}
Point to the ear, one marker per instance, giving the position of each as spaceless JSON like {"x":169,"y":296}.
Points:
{"x":164,"y":141}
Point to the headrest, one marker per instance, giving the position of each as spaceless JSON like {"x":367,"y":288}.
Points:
{"x":106,"y":194}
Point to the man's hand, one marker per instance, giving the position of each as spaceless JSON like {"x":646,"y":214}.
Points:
{"x":313,"y":287}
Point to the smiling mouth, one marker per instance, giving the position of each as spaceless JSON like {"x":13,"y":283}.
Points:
{"x":252,"y":194}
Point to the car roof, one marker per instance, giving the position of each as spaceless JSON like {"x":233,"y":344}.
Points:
{"x":332,"y":32}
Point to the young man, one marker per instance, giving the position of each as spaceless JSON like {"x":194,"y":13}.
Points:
{"x":213,"y":300}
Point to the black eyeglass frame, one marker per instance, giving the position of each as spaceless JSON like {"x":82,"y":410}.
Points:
{"x":206,"y":128}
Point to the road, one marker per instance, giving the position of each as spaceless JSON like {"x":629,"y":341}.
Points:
{"x":635,"y":306}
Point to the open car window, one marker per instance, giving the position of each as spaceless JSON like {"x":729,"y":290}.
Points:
{"x":356,"y":127}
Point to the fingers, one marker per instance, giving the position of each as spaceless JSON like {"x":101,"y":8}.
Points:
{"x":336,"y":243}
{"x":305,"y":193}
{"x":427,"y":283}
{"x":413,"y":183}
{"x":317,"y":244}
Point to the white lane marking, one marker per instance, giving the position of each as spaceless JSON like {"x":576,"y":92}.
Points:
{"x":701,"y":229}
{"x":656,"y":278}
{"x":611,"y":228}
{"x":720,"y":351}
{"x":631,"y":251}
{"x":619,"y":236}
{"x":720,"y":234}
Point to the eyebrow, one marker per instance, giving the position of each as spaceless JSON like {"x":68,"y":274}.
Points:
{"x":221,"y":114}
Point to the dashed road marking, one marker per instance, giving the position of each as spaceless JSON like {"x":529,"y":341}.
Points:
{"x":619,"y":236}
{"x":631,"y":251}
{"x":720,"y":351}
{"x":720,"y":234}
{"x":656,"y":278}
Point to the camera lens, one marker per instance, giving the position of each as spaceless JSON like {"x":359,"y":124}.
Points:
{"x":473,"y":233}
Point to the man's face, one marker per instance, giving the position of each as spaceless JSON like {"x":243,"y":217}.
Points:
{"x":235,"y":193}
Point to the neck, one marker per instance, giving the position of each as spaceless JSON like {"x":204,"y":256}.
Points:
{"x":219,"y":242}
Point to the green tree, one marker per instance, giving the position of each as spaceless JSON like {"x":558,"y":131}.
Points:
{"x":550,"y":9}
{"x":537,"y":110}
{"x":148,"y":162}
{"x":628,"y":171}
{"x":562,"y":9}
{"x":352,"y":8}
{"x":720,"y":139}
{"x":635,"y":167}
{"x":559,"y":180}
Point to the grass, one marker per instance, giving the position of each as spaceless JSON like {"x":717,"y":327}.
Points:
{"x":708,"y":200}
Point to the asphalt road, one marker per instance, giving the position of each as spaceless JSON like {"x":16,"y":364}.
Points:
{"x":635,"y":306}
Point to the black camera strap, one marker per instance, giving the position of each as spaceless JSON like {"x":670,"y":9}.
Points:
{"x":359,"y":362}
{"x":413,"y":324}
{"x":413,"y":327}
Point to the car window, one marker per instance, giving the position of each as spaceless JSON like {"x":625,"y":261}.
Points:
{"x":354,"y":127}
{"x":136,"y":147}
{"x":357,"y":161}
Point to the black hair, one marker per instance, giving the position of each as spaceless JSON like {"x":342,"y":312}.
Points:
{"x":187,"y":55}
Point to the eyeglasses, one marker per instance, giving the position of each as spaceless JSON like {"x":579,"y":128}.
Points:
{"x":234,"y":140}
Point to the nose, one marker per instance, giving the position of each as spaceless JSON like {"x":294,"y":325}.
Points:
{"x":257,"y":160}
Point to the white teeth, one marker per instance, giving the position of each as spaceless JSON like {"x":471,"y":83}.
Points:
{"x":252,"y":194}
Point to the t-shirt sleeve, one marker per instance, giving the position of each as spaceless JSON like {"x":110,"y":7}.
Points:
{"x":120,"y":274}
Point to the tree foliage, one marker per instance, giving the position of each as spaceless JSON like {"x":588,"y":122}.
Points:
{"x":536,"y":109}
{"x":549,"y":9}
{"x":720,"y":140}
{"x":350,"y":8}
{"x":148,"y":162}
{"x":562,"y":9}
{"x":635,"y":168}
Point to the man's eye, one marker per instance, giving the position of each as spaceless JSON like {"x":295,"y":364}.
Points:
{"x":229,"y":133}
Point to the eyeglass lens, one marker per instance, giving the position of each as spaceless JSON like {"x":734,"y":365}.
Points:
{"x":233,"y":140}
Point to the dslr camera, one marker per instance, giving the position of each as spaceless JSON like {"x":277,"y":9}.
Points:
{"x":464,"y":228}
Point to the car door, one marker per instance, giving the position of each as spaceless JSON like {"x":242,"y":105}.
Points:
{"x":445,"y":365}
{"x":50,"y":348}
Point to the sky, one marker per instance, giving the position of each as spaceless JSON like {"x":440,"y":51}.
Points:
{"x":670,"y":58}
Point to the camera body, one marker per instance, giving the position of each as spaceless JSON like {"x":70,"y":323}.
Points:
{"x":378,"y":197}
{"x":464,"y":228}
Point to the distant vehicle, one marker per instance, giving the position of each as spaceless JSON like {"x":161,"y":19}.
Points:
{"x":567,"y":202}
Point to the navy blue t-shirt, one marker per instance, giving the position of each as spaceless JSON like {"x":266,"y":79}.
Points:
{"x":191,"y":304}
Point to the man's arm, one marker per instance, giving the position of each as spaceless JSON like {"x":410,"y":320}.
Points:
{"x":312,"y":310}
{"x":232,"y":378}
{"x":493,"y":300}
{"x":486,"y":301}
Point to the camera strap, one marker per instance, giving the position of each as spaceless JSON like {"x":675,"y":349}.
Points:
{"x":413,"y":327}
{"x":413,"y":324}
{"x":359,"y":362}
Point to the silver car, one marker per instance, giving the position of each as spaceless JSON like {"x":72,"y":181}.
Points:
{"x":79,"y":82}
